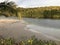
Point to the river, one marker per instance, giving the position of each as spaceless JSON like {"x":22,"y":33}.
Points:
{"x":48,"y":27}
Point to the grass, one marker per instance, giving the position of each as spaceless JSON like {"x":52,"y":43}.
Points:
{"x":31,"y":41}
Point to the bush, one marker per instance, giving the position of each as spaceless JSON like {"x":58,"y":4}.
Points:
{"x":31,"y":41}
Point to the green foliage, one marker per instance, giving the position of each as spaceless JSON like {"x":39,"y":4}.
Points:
{"x":52,"y":12}
{"x":31,"y":41}
{"x":7,"y":41}
{"x":10,"y":9}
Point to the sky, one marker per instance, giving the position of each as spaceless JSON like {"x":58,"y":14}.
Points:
{"x":36,"y":3}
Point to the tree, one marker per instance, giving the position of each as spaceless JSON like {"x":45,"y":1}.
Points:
{"x":8,"y":8}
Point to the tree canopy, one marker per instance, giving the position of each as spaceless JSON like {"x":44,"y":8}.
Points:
{"x":51,"y":12}
{"x":8,"y":9}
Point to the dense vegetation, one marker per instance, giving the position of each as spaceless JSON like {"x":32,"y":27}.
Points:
{"x":10,"y":9}
{"x":52,"y":12}
{"x":31,"y":41}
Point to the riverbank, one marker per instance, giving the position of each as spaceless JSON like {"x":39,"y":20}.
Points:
{"x":18,"y":30}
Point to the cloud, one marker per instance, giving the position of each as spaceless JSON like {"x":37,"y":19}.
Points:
{"x":52,"y":2}
{"x":10,"y":0}
{"x":2,"y":0}
{"x":36,"y":3}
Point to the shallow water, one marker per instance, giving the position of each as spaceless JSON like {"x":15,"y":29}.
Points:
{"x":44,"y":22}
{"x":49,"y":28}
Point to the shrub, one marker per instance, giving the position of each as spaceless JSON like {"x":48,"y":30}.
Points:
{"x":31,"y":41}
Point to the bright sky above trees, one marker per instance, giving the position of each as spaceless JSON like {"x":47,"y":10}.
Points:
{"x":36,"y":3}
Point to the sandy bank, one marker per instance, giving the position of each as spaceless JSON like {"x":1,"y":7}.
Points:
{"x":16,"y":29}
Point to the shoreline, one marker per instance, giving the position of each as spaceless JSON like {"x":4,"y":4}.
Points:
{"x":18,"y":29}
{"x":15,"y":28}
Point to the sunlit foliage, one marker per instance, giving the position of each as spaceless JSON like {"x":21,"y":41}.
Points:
{"x":31,"y":41}
{"x":52,"y":12}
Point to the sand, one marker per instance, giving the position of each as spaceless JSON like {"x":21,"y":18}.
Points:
{"x":16,"y":29}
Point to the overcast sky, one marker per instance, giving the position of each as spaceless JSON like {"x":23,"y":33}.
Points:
{"x":36,"y":3}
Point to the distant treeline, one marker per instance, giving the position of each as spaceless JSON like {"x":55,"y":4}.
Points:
{"x":52,"y":12}
{"x":10,"y":9}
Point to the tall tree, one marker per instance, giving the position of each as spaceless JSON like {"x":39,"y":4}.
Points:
{"x":8,"y":8}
